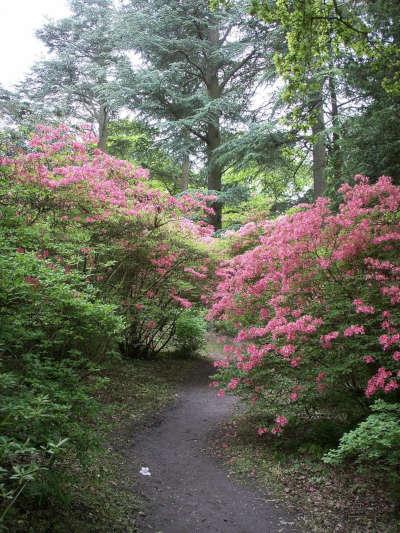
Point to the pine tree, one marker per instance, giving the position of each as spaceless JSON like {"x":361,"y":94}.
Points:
{"x":80,"y":79}
{"x":200,"y":69}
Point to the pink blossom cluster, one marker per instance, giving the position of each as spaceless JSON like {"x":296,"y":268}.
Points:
{"x":361,"y":307}
{"x":381,"y":381}
{"x":85,"y":186}
{"x":183,"y":302}
{"x":326,"y":340}
{"x":273,"y":290}
{"x":66,"y":162}
{"x":354,"y":330}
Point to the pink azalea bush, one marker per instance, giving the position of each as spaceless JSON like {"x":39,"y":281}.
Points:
{"x":139,"y":245}
{"x":315,"y":309}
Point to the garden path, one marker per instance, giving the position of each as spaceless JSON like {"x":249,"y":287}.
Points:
{"x":188,"y":490}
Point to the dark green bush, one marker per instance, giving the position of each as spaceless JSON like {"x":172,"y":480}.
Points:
{"x":190,"y":332}
{"x":52,"y":325}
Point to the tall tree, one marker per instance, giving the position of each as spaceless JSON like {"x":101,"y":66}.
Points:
{"x":80,"y":77}
{"x":200,"y":69}
{"x":354,"y":46}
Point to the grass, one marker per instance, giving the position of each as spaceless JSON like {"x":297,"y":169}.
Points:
{"x":99,"y":496}
{"x":325,"y":498}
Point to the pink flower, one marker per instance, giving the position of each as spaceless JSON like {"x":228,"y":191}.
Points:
{"x":194,"y":273}
{"x":234,"y":382}
{"x":221,"y":393}
{"x":377,"y":382}
{"x":396,"y":356}
{"x":390,"y":386}
{"x":354,"y":330}
{"x":222,"y":363}
{"x":281,"y":420}
{"x":368,"y":359}
{"x":326,"y":340}
{"x":324,"y":263}
{"x":386,"y":341}
{"x":183,"y":302}
{"x":393,"y":292}
{"x":261,"y":431}
{"x":362,"y":308}
{"x":287,"y":350}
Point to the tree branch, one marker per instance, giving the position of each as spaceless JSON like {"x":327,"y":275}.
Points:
{"x":240,"y":65}
{"x":195,"y":65}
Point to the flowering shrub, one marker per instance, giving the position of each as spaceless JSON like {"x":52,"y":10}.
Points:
{"x":315,"y":305}
{"x":138,"y":244}
{"x":93,"y":259}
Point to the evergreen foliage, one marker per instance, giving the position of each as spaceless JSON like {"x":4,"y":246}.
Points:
{"x":80,"y":77}
{"x":200,"y":70}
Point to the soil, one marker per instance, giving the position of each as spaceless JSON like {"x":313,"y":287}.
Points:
{"x":188,"y":490}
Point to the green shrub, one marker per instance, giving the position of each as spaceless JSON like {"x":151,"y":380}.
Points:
{"x":43,"y":310}
{"x":45,"y":411}
{"x":374,"y":441}
{"x":190,"y":332}
{"x":51,"y":322}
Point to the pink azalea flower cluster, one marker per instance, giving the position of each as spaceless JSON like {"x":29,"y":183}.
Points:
{"x":116,"y":202}
{"x":274,"y":291}
{"x":62,"y":161}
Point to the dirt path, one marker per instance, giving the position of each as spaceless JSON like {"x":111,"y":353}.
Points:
{"x":188,"y":491}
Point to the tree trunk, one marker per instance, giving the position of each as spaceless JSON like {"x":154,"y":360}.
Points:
{"x":214,"y":170}
{"x":319,"y":148}
{"x":103,"y":122}
{"x":183,"y":180}
{"x":336,"y":154}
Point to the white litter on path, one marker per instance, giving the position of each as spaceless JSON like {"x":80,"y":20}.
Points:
{"x":145,"y":471}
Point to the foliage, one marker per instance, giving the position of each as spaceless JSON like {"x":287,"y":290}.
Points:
{"x":375,"y":440}
{"x":316,"y":29}
{"x":91,"y":262}
{"x":198,"y":73}
{"x":315,"y":306}
{"x":79,"y":78}
{"x":266,"y":172}
{"x":46,"y":311}
{"x":46,"y":408}
{"x":190,"y":333}
{"x":139,"y":143}
{"x":48,"y":330}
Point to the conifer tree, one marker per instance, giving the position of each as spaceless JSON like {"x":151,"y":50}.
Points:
{"x":199,"y":73}
{"x":80,"y":77}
